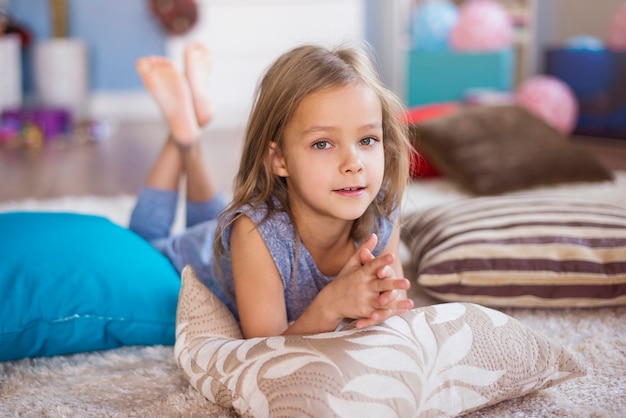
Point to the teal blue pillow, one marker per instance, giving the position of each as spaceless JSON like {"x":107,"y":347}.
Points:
{"x":73,"y":283}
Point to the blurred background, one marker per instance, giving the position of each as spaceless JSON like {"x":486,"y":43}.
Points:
{"x":246,"y":35}
{"x":67,"y":70}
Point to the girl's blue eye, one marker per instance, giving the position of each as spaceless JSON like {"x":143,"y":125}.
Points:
{"x":368,"y":141}
{"x":321,"y":145}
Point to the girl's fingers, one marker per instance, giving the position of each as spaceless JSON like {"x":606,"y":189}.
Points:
{"x":373,"y":266}
{"x":365,"y":250}
{"x":381,"y":315}
{"x":377,"y":317}
{"x":386,"y":272}
{"x":387,"y":285}
{"x":400,"y":305}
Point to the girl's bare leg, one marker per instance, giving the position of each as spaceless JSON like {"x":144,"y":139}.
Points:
{"x":197,"y":69}
{"x":173,"y":97}
{"x":176,"y":98}
{"x":168,"y":167}
{"x":201,"y":186}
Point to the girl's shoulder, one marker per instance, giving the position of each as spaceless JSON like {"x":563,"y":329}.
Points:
{"x":276,"y":231}
{"x":275,"y":223}
{"x":276,"y":226}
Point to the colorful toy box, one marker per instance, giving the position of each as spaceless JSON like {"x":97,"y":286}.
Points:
{"x":445,"y":76}
{"x":34,"y":125}
{"x":598,"y":79}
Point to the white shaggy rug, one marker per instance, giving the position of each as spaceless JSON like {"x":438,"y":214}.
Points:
{"x":145,"y":381}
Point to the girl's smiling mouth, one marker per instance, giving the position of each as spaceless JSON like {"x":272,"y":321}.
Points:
{"x":350,"y":191}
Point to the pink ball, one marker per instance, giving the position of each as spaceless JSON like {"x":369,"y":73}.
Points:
{"x":483,"y":25}
{"x":550,"y":99}
{"x":616,"y":39}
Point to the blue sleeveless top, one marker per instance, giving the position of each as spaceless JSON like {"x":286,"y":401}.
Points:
{"x":279,"y":236}
{"x":195,"y":246}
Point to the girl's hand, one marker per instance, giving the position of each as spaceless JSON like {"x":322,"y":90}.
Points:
{"x":394,"y":302}
{"x":367,"y":288}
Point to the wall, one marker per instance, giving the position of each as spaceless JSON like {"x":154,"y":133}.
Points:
{"x":117,"y":32}
{"x":583,"y":17}
{"x":244,"y":36}
{"x":386,"y":29}
{"x":558,"y":20}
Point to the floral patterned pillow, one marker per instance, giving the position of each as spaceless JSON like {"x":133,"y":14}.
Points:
{"x":444,"y":359}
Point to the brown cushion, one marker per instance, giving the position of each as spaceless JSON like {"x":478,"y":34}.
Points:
{"x":495,"y":149}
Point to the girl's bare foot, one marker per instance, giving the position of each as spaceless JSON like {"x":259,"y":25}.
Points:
{"x":197,"y":68}
{"x":173,"y":96}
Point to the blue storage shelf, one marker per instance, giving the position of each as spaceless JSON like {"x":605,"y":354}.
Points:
{"x":598,"y":79}
{"x":444,"y":76}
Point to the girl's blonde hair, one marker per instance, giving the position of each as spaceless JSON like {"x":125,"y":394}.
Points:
{"x":295,"y":75}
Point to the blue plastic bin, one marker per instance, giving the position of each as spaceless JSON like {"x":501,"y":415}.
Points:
{"x":444,"y":76}
{"x":598,"y":79}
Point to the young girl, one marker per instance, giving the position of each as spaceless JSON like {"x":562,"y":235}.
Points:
{"x":311,"y":235}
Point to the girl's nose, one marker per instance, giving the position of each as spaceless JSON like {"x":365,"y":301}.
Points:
{"x":351,"y":161}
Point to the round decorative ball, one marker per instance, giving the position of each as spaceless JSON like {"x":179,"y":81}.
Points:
{"x":551,"y":99}
{"x":584,"y":43}
{"x":431,"y":24}
{"x":616,"y":39}
{"x":483,"y":25}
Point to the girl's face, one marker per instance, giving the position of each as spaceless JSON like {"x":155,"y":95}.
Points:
{"x":333,"y":153}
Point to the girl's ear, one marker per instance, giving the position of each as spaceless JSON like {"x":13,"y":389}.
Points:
{"x":279,"y":167}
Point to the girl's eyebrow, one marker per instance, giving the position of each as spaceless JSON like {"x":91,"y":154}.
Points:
{"x":315,"y":129}
{"x":375,"y":125}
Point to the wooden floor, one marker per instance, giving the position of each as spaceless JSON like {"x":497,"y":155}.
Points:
{"x":117,"y":165}
{"x":120,"y":164}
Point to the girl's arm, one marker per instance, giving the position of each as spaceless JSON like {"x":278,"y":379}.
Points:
{"x":355,"y":293}
{"x":258,"y":287}
{"x":259,"y":290}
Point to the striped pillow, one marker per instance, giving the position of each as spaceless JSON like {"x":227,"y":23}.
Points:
{"x":521,"y":250}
